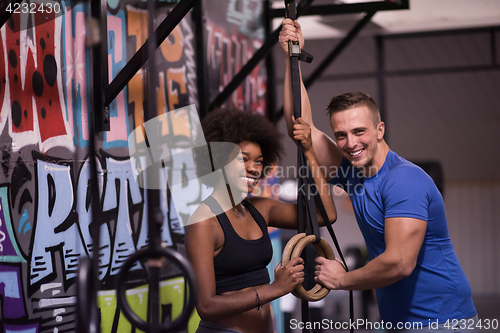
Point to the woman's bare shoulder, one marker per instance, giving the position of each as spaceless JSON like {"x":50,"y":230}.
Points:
{"x":204,"y":215}
{"x":262,"y":203}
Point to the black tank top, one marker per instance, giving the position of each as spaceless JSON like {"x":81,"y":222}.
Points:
{"x":241,"y":263}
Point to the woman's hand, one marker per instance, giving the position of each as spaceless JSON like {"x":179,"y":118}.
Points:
{"x":302,"y":133}
{"x":290,"y":31}
{"x":287,"y":277}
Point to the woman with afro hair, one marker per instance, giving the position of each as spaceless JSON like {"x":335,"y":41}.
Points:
{"x":226,"y":238}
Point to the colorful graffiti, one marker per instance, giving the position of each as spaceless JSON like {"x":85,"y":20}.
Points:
{"x":44,"y":187}
{"x":45,"y":211}
{"x":230,"y":46}
{"x":44,"y":282}
{"x":32,"y":97}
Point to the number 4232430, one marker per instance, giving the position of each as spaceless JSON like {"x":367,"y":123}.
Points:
{"x":33,"y":8}
{"x":471,"y":324}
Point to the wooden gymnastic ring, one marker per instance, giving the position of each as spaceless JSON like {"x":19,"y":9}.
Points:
{"x":287,"y":251}
{"x":293,"y":249}
{"x":287,"y":255}
{"x":317,"y":287}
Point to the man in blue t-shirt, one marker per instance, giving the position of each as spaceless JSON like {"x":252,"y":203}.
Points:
{"x":400,"y":212}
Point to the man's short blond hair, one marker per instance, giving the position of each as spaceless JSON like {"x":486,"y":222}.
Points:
{"x":351,"y":100}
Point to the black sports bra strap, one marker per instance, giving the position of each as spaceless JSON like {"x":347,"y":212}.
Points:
{"x":221,"y":216}
{"x":212,"y":204}
{"x":215,"y":207}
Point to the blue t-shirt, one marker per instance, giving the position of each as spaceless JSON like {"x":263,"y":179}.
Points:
{"x":437,"y":288}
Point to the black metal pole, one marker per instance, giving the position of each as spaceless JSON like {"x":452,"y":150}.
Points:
{"x":153,"y":200}
{"x":493,"y":47}
{"x":379,"y":41}
{"x":99,"y":74}
{"x":88,"y":317}
{"x":201,"y":65}
{"x":270,"y":87}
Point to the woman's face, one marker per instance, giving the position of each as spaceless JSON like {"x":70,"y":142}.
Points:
{"x":245,"y":171}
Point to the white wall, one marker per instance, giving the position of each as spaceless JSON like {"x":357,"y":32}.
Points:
{"x":473,"y":210}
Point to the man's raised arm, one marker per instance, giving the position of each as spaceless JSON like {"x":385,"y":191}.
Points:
{"x":326,"y":150}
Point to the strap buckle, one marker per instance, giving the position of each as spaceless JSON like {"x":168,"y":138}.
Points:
{"x":293,"y":49}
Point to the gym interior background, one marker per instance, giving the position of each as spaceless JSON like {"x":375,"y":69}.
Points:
{"x":433,"y":68}
{"x":437,"y":90}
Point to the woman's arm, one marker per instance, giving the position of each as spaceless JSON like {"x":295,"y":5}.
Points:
{"x":284,"y":215}
{"x":201,"y":242}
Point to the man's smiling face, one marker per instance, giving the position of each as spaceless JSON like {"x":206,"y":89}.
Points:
{"x":357,"y":136}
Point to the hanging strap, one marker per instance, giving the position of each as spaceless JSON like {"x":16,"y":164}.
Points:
{"x":324,"y":216}
{"x":310,"y":200}
{"x":310,"y":195}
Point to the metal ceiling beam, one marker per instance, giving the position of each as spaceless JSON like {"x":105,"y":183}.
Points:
{"x":370,"y":8}
{"x":304,"y":8}
{"x":257,"y":57}
{"x":338,"y":49}
{"x":352,"y":8}
{"x":334,"y":54}
{"x":247,"y":69}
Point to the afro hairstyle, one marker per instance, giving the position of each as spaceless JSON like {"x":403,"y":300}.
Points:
{"x":236,"y":126}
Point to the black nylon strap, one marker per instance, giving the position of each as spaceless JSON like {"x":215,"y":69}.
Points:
{"x":300,"y":199}
{"x":321,"y":208}
{"x":303,"y":226}
{"x":324,"y":216}
{"x":306,"y":57}
{"x":311,"y":192}
{"x":326,"y":221}
{"x":295,"y":77}
{"x":307,"y":218}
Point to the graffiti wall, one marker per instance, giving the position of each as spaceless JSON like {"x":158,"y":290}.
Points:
{"x":44,"y":183}
{"x":45,"y":89}
{"x":233,"y":33}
